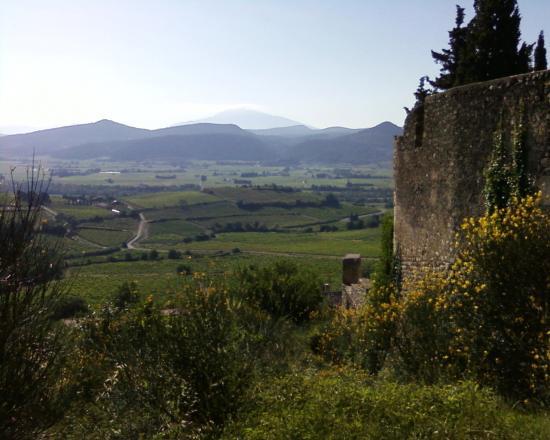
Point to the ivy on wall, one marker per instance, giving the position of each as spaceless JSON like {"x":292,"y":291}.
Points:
{"x":506,"y":176}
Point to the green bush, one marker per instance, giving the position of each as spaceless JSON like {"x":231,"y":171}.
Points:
{"x":361,"y":336}
{"x":125,"y":382}
{"x":345,"y":404}
{"x":69,"y":307}
{"x":127,"y":294}
{"x":145,"y":372}
{"x":283,"y":289}
{"x":32,"y":345}
{"x":153,"y":254}
{"x":174,"y":254}
{"x":184,"y":269}
{"x":387,"y":270}
{"x":487,"y":317}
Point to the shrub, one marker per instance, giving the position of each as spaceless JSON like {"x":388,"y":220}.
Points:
{"x":387,"y":270}
{"x":69,"y":307}
{"x":372,"y":221}
{"x":487,"y":317}
{"x":283,"y":289}
{"x":127,"y":294}
{"x":184,"y":269}
{"x":32,"y":345}
{"x":153,"y":254}
{"x":346,"y":404}
{"x":361,"y":336}
{"x":147,"y":373}
{"x":126,"y":384}
{"x":174,"y":254}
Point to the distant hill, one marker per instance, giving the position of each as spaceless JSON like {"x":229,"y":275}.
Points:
{"x":54,"y":139}
{"x":337,"y":131}
{"x":105,"y":131}
{"x":371,"y":145}
{"x":199,"y":128}
{"x":292,"y":131}
{"x":248,"y":119}
{"x":205,"y":146}
{"x":207,"y":141}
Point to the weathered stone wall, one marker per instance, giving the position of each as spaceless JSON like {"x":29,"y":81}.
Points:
{"x":441,"y":158}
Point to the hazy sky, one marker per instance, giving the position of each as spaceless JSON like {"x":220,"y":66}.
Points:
{"x":157,"y":62}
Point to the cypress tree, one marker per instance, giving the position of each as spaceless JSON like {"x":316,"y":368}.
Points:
{"x":450,"y":58}
{"x":540,"y":54}
{"x":493,"y":40}
{"x":488,"y":47}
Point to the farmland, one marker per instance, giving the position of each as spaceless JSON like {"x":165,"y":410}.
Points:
{"x":160,"y":278}
{"x":223,"y":214}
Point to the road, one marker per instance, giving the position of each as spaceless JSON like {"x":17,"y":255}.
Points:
{"x":347,"y":219}
{"x":141,"y":233}
{"x":50,"y":211}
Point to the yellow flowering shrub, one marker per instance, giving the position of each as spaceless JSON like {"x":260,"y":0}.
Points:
{"x":487,"y":316}
{"x":361,"y":336}
{"x":423,"y":329}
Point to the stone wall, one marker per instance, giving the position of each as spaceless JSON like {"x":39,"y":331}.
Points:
{"x":441,"y":158}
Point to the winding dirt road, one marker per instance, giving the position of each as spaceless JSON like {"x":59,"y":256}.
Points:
{"x":142,"y":232}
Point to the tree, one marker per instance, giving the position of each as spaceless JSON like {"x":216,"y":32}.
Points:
{"x":493,"y":39}
{"x":31,"y":342}
{"x":488,"y":47}
{"x":540,"y":54}
{"x":387,"y":270}
{"x":450,"y":58}
{"x":331,"y":201}
{"x":422,"y":92}
{"x":127,"y":294}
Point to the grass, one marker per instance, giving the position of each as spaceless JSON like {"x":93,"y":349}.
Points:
{"x":220,"y":209}
{"x":269,"y":220}
{"x":171,"y":231}
{"x":98,"y":282}
{"x":364,"y":242}
{"x":341,"y":404}
{"x":105,"y":237}
{"x":225,"y":211}
{"x":120,"y":223}
{"x":169,"y":198}
{"x":79,"y":212}
{"x":262,"y":196}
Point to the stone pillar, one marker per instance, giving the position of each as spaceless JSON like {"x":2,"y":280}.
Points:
{"x":351,"y":269}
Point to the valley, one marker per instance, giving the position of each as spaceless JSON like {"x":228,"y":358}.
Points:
{"x":126,"y":221}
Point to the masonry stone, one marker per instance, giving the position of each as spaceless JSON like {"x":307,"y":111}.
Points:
{"x":441,"y":158}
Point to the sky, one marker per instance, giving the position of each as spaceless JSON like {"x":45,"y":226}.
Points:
{"x":155,"y":63}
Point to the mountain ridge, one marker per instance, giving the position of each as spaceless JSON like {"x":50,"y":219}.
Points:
{"x":207,"y":141}
{"x":247,"y":119}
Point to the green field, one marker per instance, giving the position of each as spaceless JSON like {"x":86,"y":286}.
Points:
{"x":119,"y":223}
{"x":205,"y":197}
{"x":98,"y":282}
{"x":336,"y":244}
{"x":105,"y":237}
{"x":169,"y":198}
{"x":170,"y":232}
{"x":79,"y":212}
{"x":262,"y":196}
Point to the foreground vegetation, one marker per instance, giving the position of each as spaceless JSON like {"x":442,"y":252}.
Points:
{"x":254,"y":352}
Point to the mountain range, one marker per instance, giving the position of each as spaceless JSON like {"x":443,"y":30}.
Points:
{"x":247,"y":119}
{"x":207,"y":141}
